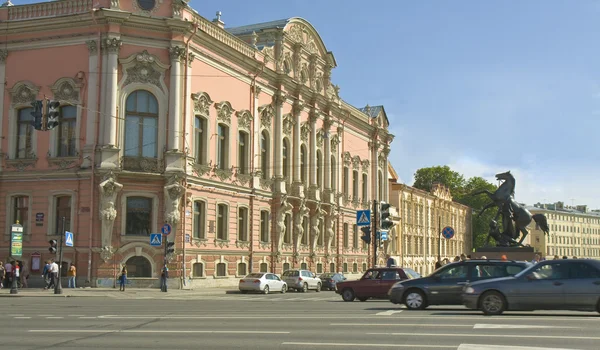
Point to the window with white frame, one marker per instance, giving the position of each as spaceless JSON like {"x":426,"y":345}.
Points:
{"x":138,"y":216}
{"x":380,"y":186}
{"x":303,"y":167}
{"x":355,"y":184}
{"x":199,"y":219}
{"x":62,"y":209}
{"x":354,"y":236}
{"x":319,"y":169}
{"x":286,"y":159}
{"x":201,"y":140}
{"x":243,"y":152}
{"x":364,"y":267}
{"x":222,"y":219}
{"x":346,"y":238}
{"x":331,"y":267}
{"x":223,"y":146}
{"x":21,"y":211}
{"x":365,"y":187}
{"x":355,"y":268}
{"x":67,"y":143}
{"x":241,"y":269}
{"x":141,"y":125}
{"x":303,"y":266}
{"x":345,"y":267}
{"x":198,"y":269}
{"x":25,"y":134}
{"x":319,"y":268}
{"x":333,"y":179}
{"x":263,"y":267}
{"x":346,"y":181}
{"x":286,"y":266}
{"x":242,"y":224}
{"x":221,"y":269}
{"x":265,"y":153}
{"x":264,"y":226}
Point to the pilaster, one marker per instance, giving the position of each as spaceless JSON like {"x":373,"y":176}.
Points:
{"x":174,"y":157}
{"x":92,"y":113}
{"x":297,"y":185}
{"x":3,"y":112}
{"x":279,"y":183}
{"x":313,"y":191}
{"x":109,"y":156}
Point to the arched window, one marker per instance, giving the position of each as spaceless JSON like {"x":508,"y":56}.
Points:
{"x":346,"y":181}
{"x":286,"y":159}
{"x":141,"y":125}
{"x":25,"y":132}
{"x":286,"y":266}
{"x":333,"y":174}
{"x":138,"y":266}
{"x":66,"y":132}
{"x":243,"y":151}
{"x":303,"y":266}
{"x":263,"y":267}
{"x":380,"y":186}
{"x":331,"y":267}
{"x":365,"y":186}
{"x":319,"y":169}
{"x":303,"y":164}
{"x":355,"y":185}
{"x":264,"y":155}
{"x":223,"y":147}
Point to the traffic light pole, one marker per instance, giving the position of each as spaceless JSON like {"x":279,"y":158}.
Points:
{"x":374,"y":233}
{"x":58,"y":284}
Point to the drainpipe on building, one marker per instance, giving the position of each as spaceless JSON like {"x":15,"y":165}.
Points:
{"x":185,"y":183}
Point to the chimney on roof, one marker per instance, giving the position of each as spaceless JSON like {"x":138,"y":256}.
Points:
{"x":218,"y":21}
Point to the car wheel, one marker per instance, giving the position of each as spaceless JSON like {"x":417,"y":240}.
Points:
{"x":363,"y":299}
{"x":244,"y":291}
{"x":266,"y":290}
{"x":414,"y":300}
{"x":305,"y":288}
{"x":283,"y":289}
{"x":348,"y":294}
{"x":318,"y":287}
{"x":598,"y":306}
{"x":492,"y":303}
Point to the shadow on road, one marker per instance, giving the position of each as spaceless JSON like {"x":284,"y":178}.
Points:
{"x":508,"y":314}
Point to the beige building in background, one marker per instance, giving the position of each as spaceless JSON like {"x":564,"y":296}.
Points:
{"x":574,"y":231}
{"x":415,"y":239}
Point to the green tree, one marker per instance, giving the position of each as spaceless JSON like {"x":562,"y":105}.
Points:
{"x":461,"y":190}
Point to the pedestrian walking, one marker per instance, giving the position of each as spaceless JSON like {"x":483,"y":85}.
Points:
{"x":46,"y":273}
{"x":53,"y":274}
{"x":123,"y":278}
{"x":24,"y":274}
{"x":163,"y":278}
{"x":72,"y":274}
{"x":2,"y":273}
{"x":390,"y":261}
{"x":8,"y":269}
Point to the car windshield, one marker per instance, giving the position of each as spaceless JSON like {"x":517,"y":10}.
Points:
{"x":255,"y":275}
{"x":412,"y":273}
{"x":327,"y":275}
{"x":291,"y":274}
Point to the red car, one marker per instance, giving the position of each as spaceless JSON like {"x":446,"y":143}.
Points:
{"x":375,"y":283}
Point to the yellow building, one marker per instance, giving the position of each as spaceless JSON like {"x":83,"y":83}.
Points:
{"x":421,"y":215}
{"x":574,"y":231}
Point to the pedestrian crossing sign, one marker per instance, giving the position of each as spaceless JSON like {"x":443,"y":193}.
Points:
{"x":155,"y":239}
{"x":69,"y":239}
{"x":363,"y":217}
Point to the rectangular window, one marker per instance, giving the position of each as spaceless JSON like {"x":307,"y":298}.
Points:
{"x":222,"y":221}
{"x":354,"y":236}
{"x":62,"y":210}
{"x":365,"y":186}
{"x":200,"y":143}
{"x":198,"y":270}
{"x":355,"y":184}
{"x":223,"y":146}
{"x":306,"y":231}
{"x":243,"y":224}
{"x":243,"y":152}
{"x":287,"y":238}
{"x":241,"y":269}
{"x":221,"y":270}
{"x":25,"y":131}
{"x":346,"y":238}
{"x":199,"y":219}
{"x":346,"y":180}
{"x":21,"y":212}
{"x":139,"y":216}
{"x":66,"y":132}
{"x":264,"y":226}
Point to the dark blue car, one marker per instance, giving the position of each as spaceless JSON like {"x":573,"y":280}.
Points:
{"x":330,"y":279}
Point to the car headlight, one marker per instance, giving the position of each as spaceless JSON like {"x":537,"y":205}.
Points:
{"x":469,"y":290}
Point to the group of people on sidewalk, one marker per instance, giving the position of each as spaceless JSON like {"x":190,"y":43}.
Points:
{"x":51,"y":271}
{"x":13,"y":269}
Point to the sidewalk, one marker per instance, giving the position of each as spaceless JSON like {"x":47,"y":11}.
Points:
{"x":129,"y":293}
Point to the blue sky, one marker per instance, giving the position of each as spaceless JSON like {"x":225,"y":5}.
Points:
{"x":482,"y":86}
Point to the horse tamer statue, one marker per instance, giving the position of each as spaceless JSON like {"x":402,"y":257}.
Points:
{"x":515,"y":218}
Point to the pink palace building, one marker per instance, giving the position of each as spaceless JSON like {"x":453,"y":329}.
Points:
{"x":235,"y":137}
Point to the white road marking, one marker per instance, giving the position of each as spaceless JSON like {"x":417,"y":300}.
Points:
{"x":487,"y":335}
{"x":45,"y":315}
{"x":502,"y":347}
{"x":371,"y":345}
{"x":22,"y":317}
{"x":76,"y":315}
{"x":54,"y":317}
{"x":401,"y":324}
{"x":512,"y":326}
{"x":388,"y":313}
{"x":13,"y":315}
{"x":220,"y":317}
{"x":88,"y":317}
{"x":149,"y":331}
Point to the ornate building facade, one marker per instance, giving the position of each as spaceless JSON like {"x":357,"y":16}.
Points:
{"x":416,"y":239}
{"x":236,"y":137}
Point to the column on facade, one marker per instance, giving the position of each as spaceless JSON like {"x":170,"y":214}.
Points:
{"x":92,"y":100}
{"x":3,"y":56}
{"x":112,"y":66}
{"x":189,"y":112}
{"x":313,"y":147}
{"x":174,"y":134}
{"x":298,"y":105}
{"x":256,"y":136}
{"x":278,"y":100}
{"x":327,"y":156}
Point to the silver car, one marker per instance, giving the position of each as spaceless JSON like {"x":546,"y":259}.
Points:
{"x":262,"y":282}
{"x":302,"y":280}
{"x":570,"y":284}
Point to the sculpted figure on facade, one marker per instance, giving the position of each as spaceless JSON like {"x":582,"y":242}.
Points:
{"x":109,"y":188}
{"x":284,"y":209}
{"x":330,"y":225}
{"x":303,"y":210}
{"x":315,"y":220}
{"x":173,"y":193}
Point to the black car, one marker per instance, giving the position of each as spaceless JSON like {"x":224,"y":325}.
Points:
{"x":330,"y":279}
{"x":445,"y":285}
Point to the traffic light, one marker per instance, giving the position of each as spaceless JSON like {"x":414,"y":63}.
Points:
{"x":385,"y":223}
{"x":367,"y":234}
{"x":38,"y":115}
{"x":53,"y":115}
{"x":170,"y":247}
{"x":53,"y":244}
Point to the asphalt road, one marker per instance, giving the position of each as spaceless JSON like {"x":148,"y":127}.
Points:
{"x":290,"y":321}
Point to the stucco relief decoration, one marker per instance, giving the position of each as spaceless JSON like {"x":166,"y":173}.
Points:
{"x":266,"y":112}
{"x":331,"y":218}
{"x":333,"y":93}
{"x":335,"y":141}
{"x":244,"y":118}
{"x":177,"y":53}
{"x":224,"y":111}
{"x":319,"y":82}
{"x":112,"y":45}
{"x":284,"y":209}
{"x":287,"y":63}
{"x":365,"y":165}
{"x":92,"y":46}
{"x":347,"y":158}
{"x":304,"y":131}
{"x":66,"y":90}
{"x":202,"y":103}
{"x":268,"y":51}
{"x":109,"y":189}
{"x":173,"y":193}
{"x":355,"y":162}
{"x":146,"y":7}
{"x":144,"y":68}
{"x":178,"y":6}
{"x":320,"y":137}
{"x":24,"y":92}
{"x":288,"y":124}
{"x":300,"y":34}
{"x":382,"y":159}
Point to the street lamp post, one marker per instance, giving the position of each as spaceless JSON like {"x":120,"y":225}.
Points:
{"x":58,"y":284}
